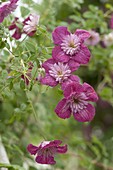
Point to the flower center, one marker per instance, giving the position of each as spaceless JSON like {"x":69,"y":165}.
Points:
{"x":32,"y":23}
{"x":78,"y":102}
{"x":71,"y":44}
{"x":60,"y":72}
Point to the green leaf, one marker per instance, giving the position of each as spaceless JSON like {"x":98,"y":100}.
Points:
{"x":30,"y":45}
{"x":24,"y":11}
{"x":22,"y":84}
{"x":4,"y":74}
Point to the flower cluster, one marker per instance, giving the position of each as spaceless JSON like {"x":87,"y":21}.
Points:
{"x":67,"y":56}
{"x":28,"y":26}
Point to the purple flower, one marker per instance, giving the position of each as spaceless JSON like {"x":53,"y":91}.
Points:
{"x":111,"y":22}
{"x":57,"y":72}
{"x":70,"y":47}
{"x":76,"y":100}
{"x":17,"y":33}
{"x":30,"y":24}
{"x":6,"y":8}
{"x":46,"y":151}
{"x":94,"y":38}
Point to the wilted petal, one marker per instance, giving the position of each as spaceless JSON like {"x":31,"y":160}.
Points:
{"x":17,"y":34}
{"x":82,"y":34}
{"x":63,"y":110}
{"x":48,"y":80}
{"x":59,"y":33}
{"x":59,"y":55}
{"x":45,"y":159}
{"x":32,"y":149}
{"x":85,"y":115}
{"x":90,"y":92}
{"x":62,"y":149}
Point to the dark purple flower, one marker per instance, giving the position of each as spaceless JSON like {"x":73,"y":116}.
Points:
{"x":111,"y":22}
{"x":6,"y":8}
{"x":46,"y":151}
{"x":57,"y":73}
{"x":76,"y":100}
{"x":30,"y":24}
{"x":70,"y":47}
{"x":17,"y":34}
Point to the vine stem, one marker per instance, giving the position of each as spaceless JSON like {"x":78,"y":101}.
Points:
{"x":36,"y":118}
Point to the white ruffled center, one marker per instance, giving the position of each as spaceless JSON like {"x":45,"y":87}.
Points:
{"x":32,"y":23}
{"x":60,"y":72}
{"x":70,"y":44}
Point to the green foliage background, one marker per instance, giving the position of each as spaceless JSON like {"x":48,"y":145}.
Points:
{"x":27,"y":112}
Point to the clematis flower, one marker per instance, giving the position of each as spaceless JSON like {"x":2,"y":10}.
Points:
{"x":94,"y":38}
{"x":17,"y":31}
{"x":6,"y":8}
{"x":58,"y":72}
{"x":76,"y":101}
{"x":46,"y":151}
{"x":70,"y":47}
{"x":30,"y":24}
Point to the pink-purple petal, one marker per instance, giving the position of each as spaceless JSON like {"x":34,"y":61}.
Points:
{"x":90,"y":92}
{"x":53,"y":143}
{"x":63,"y":110}
{"x":62,"y":149}
{"x":73,"y":65}
{"x":44,"y":159}
{"x":32,"y":149}
{"x":82,"y":34}
{"x":75,"y":78}
{"x":59,"y":33}
{"x":1,"y":18}
{"x":72,"y":78}
{"x":59,"y":55}
{"x":14,"y":1}
{"x":71,"y":88}
{"x":83,"y":55}
{"x":47,"y":64}
{"x":48,"y":80}
{"x":6,"y":8}
{"x":17,"y":34}
{"x":86,"y":114}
